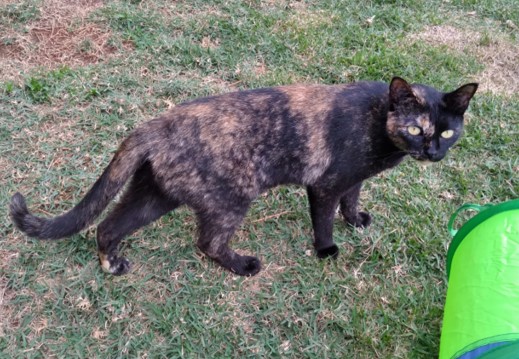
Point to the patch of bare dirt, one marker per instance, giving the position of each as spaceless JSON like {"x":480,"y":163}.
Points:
{"x":497,"y":52}
{"x":62,"y":35}
{"x":298,"y":5}
{"x":302,"y":19}
{"x":9,"y":50}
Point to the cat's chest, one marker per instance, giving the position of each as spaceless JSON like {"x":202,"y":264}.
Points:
{"x":369,"y":164}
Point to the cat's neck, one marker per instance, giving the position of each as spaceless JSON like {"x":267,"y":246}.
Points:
{"x":382,"y":146}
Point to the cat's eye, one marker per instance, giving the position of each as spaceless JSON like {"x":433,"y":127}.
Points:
{"x":447,"y":134}
{"x":413,"y":130}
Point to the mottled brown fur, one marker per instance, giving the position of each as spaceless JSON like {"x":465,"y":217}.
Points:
{"x":217,"y":154}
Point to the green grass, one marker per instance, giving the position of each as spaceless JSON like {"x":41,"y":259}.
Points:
{"x":384,"y":296}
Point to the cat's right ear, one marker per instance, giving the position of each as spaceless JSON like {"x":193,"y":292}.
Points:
{"x":400,"y":91}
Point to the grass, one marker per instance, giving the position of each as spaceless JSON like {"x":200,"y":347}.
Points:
{"x":69,"y":95}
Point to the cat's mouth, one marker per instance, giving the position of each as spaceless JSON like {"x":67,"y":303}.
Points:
{"x":424,"y":158}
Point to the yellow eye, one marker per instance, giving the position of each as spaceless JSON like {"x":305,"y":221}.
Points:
{"x":413,"y":130}
{"x":447,"y":134}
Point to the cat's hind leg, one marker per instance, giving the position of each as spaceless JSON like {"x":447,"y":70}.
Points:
{"x":216,"y":230}
{"x":142,"y":203}
{"x":349,"y":205}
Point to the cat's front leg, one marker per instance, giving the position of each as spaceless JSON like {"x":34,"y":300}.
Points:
{"x":322,"y":210}
{"x":348,"y":208}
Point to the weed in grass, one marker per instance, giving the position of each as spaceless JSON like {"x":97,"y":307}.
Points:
{"x":9,"y":87}
{"x":37,"y":89}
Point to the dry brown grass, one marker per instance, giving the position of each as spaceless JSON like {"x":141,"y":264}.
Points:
{"x":498,"y":52}
{"x":61,"y":35}
{"x":12,"y":319}
{"x":5,"y":294}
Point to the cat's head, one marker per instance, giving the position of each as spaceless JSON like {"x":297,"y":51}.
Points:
{"x":424,"y":122}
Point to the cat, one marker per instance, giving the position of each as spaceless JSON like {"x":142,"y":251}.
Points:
{"x":217,"y":154}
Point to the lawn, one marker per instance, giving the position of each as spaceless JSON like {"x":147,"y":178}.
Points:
{"x":77,"y":76}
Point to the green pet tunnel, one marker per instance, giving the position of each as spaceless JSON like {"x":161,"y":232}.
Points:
{"x":481,"y":318}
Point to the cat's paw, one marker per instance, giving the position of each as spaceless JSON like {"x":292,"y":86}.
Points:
{"x":361,"y":220}
{"x":332,"y":252}
{"x":120,"y":266}
{"x":245,"y":265}
{"x":115,"y":265}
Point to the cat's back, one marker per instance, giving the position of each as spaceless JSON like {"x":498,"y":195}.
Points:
{"x":272,"y":104}
{"x":263,"y":136}
{"x":293,"y":115}
{"x":253,"y":115}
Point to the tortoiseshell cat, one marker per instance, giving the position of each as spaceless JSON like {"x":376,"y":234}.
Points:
{"x":217,"y":154}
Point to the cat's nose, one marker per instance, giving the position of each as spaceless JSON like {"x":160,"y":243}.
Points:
{"x":433,"y":155}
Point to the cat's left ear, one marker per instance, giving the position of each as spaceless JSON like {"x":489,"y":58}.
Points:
{"x":458,"y":100}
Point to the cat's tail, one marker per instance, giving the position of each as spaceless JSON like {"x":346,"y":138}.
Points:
{"x":129,"y":157}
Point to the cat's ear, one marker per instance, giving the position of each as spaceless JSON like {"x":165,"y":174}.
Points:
{"x":400,"y":91}
{"x":458,"y":100}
